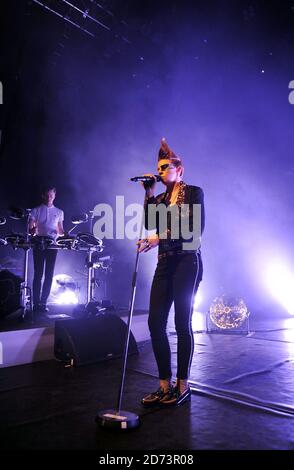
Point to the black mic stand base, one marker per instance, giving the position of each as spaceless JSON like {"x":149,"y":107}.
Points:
{"x":115,"y":421}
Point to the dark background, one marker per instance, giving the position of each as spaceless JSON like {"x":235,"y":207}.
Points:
{"x":86,"y":111}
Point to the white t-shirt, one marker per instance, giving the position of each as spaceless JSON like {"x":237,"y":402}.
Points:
{"x":47,"y":219}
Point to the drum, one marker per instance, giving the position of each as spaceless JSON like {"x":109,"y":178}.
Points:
{"x":85,"y":241}
{"x":41,"y":242}
{"x":18,"y":240}
{"x":66,"y":242}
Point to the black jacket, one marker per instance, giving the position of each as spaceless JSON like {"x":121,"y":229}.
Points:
{"x":193,"y":195}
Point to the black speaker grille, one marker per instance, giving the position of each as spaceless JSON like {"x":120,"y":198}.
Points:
{"x":92,"y":339}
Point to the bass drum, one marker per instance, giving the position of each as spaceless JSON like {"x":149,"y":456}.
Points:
{"x":9,"y":292}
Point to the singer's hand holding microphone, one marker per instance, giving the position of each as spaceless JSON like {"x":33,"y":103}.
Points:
{"x":149,"y":184}
{"x":148,"y":181}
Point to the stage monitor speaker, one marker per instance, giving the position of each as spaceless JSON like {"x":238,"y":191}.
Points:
{"x":84,"y":341}
{"x":9,"y":292}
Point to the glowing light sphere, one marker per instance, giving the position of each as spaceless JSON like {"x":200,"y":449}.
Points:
{"x":228,"y":312}
{"x":67,"y":298}
{"x":64,"y":290}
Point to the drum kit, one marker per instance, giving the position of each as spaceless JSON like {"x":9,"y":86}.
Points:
{"x":82,"y":241}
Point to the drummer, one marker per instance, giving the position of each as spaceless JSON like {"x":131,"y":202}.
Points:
{"x":45,"y":220}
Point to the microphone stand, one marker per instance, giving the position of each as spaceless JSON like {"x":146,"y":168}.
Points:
{"x":118,"y":419}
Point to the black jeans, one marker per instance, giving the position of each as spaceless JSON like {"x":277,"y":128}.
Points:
{"x":176,"y":279}
{"x":43,"y":258}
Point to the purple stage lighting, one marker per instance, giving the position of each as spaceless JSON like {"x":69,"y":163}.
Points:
{"x":64,"y":290}
{"x":280,"y":282}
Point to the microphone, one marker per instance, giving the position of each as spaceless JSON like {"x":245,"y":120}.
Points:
{"x":146,"y":179}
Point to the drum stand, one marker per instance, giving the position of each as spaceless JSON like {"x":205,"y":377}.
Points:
{"x":91,"y":305}
{"x":26,"y":291}
{"x":89,"y":263}
{"x":90,"y":277}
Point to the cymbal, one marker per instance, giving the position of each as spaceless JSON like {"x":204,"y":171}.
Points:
{"x":79,"y":219}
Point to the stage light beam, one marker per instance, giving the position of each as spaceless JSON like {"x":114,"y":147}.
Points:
{"x":280,"y":282}
{"x":197,"y":300}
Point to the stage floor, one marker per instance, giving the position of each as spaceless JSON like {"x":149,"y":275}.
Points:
{"x":14,"y":321}
{"x":238,"y":382}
